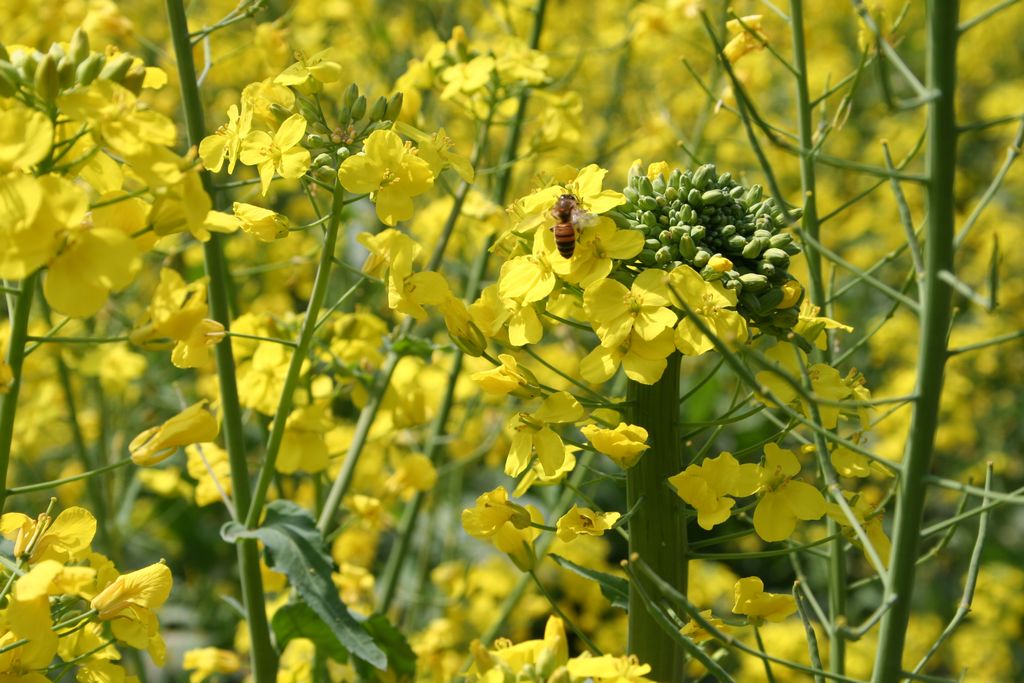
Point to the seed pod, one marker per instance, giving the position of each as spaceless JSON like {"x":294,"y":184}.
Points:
{"x":79,"y":46}
{"x":116,"y":68}
{"x":47,"y":83}
{"x":752,"y":282}
{"x":359,"y":108}
{"x":394,"y":107}
{"x":377,"y":111}
{"x":89,"y":69}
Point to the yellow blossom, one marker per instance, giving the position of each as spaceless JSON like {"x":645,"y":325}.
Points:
{"x":192,"y":425}
{"x":624,"y":444}
{"x":584,"y":521}
{"x":130,"y":602}
{"x":784,"y":500}
{"x":709,"y":301}
{"x":226,"y":143}
{"x":747,"y":37}
{"x":263,"y":224}
{"x":280,"y":154}
{"x":751,"y":600}
{"x":643,"y":361}
{"x":615,"y":311}
{"x":64,"y":539}
{"x":708,"y":487}
{"x":390,"y":172}
{"x":532,"y":434}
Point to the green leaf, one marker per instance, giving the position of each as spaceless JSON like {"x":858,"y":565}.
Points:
{"x":614,"y":588}
{"x":298,"y":620}
{"x":295,"y":548}
{"x":401,"y":658}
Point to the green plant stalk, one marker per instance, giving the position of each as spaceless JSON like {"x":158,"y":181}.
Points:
{"x":15,"y":359}
{"x":936,"y":297}
{"x":657,"y":530}
{"x":263,"y":658}
{"x":291,"y":380}
{"x":837,"y":590}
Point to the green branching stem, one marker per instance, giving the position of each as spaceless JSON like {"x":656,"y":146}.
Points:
{"x":263,"y":658}
{"x":936,"y":297}
{"x":15,"y":359}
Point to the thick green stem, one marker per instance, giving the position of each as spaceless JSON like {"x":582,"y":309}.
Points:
{"x":657,"y":530}
{"x":936,"y":298}
{"x":15,"y":359}
{"x":263,"y":658}
{"x":837,"y":589}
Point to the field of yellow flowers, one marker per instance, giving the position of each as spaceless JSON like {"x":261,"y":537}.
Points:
{"x":517,"y":340}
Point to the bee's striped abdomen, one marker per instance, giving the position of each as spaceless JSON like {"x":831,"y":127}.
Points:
{"x":565,"y":239}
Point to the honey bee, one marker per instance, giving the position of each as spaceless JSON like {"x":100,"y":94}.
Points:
{"x":571,"y":220}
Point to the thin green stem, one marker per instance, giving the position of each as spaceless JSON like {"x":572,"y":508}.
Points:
{"x":291,"y":379}
{"x":15,"y":360}
{"x":54,"y":483}
{"x":263,"y":658}
{"x":935,"y":315}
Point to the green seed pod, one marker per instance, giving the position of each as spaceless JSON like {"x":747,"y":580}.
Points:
{"x":736,"y":243}
{"x":698,"y":232}
{"x":771,"y":299}
{"x":663,"y":256}
{"x":776,"y":257}
{"x":713,"y":198}
{"x":79,"y":46}
{"x":377,"y":111}
{"x":89,"y":69}
{"x":647,"y":257}
{"x":47,"y":82}
{"x":116,"y":69}
{"x":359,"y":108}
{"x":693,"y":198}
{"x":648,"y":203}
{"x":701,"y":258}
{"x":394,"y":107}
{"x":659,"y":184}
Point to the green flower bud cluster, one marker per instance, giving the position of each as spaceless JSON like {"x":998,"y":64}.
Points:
{"x":44,"y":75}
{"x":331,"y":142}
{"x":695,"y":215}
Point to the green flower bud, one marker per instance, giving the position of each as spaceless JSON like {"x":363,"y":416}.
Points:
{"x":693,"y":198}
{"x":698,"y":232}
{"x":678,"y":232}
{"x":766,"y":269}
{"x":280,"y":112}
{"x":674,"y":178}
{"x":134,"y":78}
{"x":66,"y":72}
{"x":776,"y":257}
{"x":4,"y":54}
{"x":79,"y":46}
{"x":701,"y":258}
{"x":665,"y":237}
{"x":647,"y":258}
{"x":752,"y":282}
{"x":687,"y":249}
{"x":724,"y":179}
{"x":89,"y":69}
{"x":315,"y":140}
{"x":47,"y":83}
{"x":323,"y":159}
{"x":659,"y":184}
{"x":686,"y":214}
{"x":394,"y":107}
{"x":737,"y":192}
{"x":713,"y":198}
{"x":8,"y":79}
{"x":645,"y":187}
{"x":358,"y":108}
{"x":116,"y":69}
{"x":702,"y":175}
{"x":350,"y":95}
{"x":753,"y":248}
{"x":648,"y":203}
{"x":736,"y":242}
{"x":26,"y":65}
{"x":631,"y":195}
{"x":663,"y":256}
{"x":786,"y":318}
{"x":780,"y":240}
{"x":377,"y":111}
{"x":648,"y":218}
{"x":750,"y":301}
{"x":671,"y":194}
{"x":326,"y":173}
{"x":728,"y":231}
{"x":752,"y":195}
{"x":652,"y":243}
{"x":771,"y":299}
